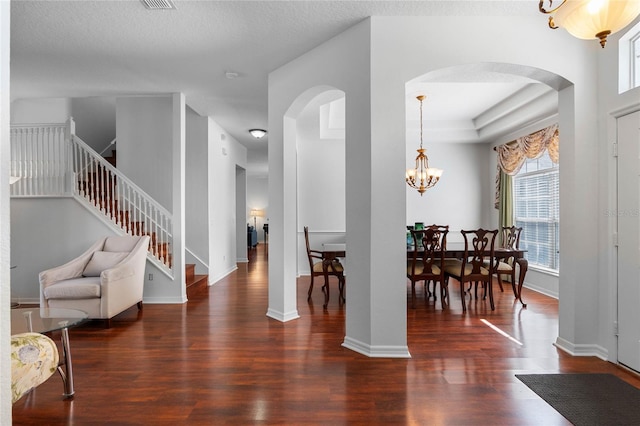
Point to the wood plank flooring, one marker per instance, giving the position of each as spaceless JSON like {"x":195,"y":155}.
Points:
{"x":220,"y":360}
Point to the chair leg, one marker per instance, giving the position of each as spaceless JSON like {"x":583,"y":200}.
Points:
{"x":413,"y":294}
{"x":513,"y":283}
{"x":444,"y":293}
{"x":500,"y":282}
{"x":140,"y":305}
{"x":490,"y":285}
{"x":463,"y":297}
{"x":310,"y":288}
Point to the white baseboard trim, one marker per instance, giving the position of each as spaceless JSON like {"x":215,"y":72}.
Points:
{"x":282,"y":316}
{"x":376,"y":351}
{"x":164,"y":300}
{"x":26,"y":301}
{"x":541,"y":290}
{"x":581,"y":349}
{"x":218,"y":277}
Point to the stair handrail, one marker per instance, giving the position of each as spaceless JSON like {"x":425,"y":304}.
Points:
{"x":113,"y":142}
{"x":121,"y":175}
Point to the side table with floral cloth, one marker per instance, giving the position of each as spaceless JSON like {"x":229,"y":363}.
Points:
{"x":34,"y":358}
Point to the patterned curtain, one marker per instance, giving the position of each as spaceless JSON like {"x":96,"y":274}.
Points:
{"x":511,"y":156}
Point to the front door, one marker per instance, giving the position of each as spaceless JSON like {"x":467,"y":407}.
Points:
{"x":629,"y":240}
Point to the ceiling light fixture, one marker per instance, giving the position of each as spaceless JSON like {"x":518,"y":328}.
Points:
{"x":422,"y":177}
{"x":591,"y":19}
{"x":257,"y":133}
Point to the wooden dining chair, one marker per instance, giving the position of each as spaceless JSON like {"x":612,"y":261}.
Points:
{"x":427,"y":262}
{"x":507,"y":265}
{"x":479,"y":245}
{"x":316,"y":266}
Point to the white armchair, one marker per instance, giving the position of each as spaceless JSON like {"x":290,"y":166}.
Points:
{"x":105,"y":280}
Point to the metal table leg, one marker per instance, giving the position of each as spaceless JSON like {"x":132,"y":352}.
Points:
{"x":67,"y":374}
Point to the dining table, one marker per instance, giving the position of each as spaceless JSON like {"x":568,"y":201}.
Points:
{"x":456,"y":250}
{"x":330,"y":253}
{"x":334,"y":251}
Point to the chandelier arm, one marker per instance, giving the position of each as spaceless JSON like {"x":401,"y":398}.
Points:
{"x":545,"y":11}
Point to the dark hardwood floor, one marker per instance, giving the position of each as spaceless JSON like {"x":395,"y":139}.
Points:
{"x":218,"y":359}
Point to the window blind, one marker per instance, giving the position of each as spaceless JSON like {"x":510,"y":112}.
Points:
{"x":537,"y":211}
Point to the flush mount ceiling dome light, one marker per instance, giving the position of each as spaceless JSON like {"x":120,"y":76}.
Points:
{"x":591,"y":19}
{"x":257,"y":133}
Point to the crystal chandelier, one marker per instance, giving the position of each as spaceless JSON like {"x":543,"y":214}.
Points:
{"x":591,"y":19}
{"x":422,"y":177}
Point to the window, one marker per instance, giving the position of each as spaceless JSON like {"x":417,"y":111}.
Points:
{"x":536,"y":208}
{"x":635,"y":60}
{"x":629,"y":60}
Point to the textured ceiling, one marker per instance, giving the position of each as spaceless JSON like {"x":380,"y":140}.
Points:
{"x":109,"y":48}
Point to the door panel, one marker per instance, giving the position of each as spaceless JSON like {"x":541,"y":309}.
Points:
{"x":628,"y":214}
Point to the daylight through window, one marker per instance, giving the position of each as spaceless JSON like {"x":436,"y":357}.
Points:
{"x":537,"y":211}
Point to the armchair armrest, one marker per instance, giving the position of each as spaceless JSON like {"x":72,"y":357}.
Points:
{"x":71,"y":269}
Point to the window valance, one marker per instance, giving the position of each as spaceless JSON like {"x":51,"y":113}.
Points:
{"x":511,"y":156}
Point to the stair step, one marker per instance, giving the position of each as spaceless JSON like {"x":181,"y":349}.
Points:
{"x":190,"y":273}
{"x":197,"y":285}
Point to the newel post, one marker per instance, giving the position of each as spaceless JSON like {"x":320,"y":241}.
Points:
{"x":70,"y":176}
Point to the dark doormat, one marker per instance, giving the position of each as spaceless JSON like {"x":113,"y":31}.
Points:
{"x":588,"y":399}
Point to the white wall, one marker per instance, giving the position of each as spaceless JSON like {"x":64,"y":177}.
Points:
{"x":320,"y":172}
{"x":457,"y":199}
{"x":5,"y":284}
{"x":145,"y":147}
{"x":225,"y":153}
{"x":197,"y":191}
{"x":40,"y":110}
{"x":95,"y":119}
{"x":47,"y":232}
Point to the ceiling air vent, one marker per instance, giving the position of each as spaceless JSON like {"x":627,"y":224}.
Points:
{"x":158,"y":4}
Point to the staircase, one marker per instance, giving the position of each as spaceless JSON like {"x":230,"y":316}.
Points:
{"x":195,"y":283}
{"x":98,"y":185}
{"x":51,"y":160}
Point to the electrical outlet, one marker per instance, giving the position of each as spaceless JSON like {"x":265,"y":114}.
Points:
{"x":150,"y":277}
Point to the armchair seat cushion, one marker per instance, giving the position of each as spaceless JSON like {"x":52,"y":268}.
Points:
{"x":78,"y":288}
